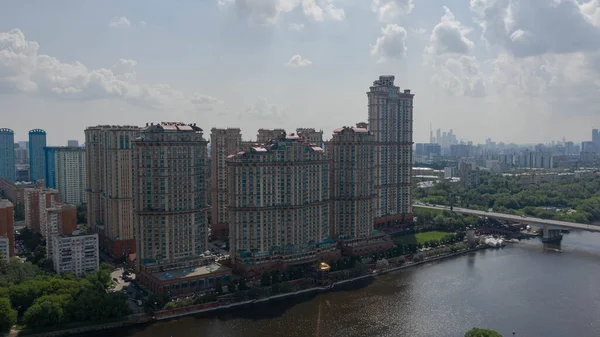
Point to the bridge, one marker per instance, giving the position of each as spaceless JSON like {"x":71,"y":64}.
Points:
{"x":551,"y":228}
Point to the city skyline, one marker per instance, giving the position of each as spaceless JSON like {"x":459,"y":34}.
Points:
{"x":236,"y":64}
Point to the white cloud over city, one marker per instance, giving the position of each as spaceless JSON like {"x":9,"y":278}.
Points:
{"x":306,"y":63}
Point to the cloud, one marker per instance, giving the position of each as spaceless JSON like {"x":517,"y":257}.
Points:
{"x":264,"y":111}
{"x":392,"y":43}
{"x":390,"y":10}
{"x":298,"y":61}
{"x":142,"y":23}
{"x":449,"y":36}
{"x":119,"y":22}
{"x":23,"y":69}
{"x":447,"y":56}
{"x":530,"y":28}
{"x":204,"y":102}
{"x":296,"y":26}
{"x":268,"y":12}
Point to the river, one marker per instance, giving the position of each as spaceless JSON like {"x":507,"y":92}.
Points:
{"x":523,"y":288}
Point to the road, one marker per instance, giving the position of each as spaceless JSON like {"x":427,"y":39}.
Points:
{"x":516,"y":218}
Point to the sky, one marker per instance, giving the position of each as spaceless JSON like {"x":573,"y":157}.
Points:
{"x":523,"y":71}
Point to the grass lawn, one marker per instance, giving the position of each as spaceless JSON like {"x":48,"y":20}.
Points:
{"x":419,"y":237}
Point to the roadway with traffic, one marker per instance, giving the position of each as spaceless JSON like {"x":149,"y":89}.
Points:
{"x":516,"y":218}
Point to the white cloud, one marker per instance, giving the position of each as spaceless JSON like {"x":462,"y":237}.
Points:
{"x":23,"y":69}
{"x":447,"y":56}
{"x":296,"y":26}
{"x":264,"y":111}
{"x":204,"y":102}
{"x":268,"y":12}
{"x":449,"y":36}
{"x":119,"y":22}
{"x":143,"y":23}
{"x":298,"y":61}
{"x":392,"y":43}
{"x":530,"y":28}
{"x":390,"y":10}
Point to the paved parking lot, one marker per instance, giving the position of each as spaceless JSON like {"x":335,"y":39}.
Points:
{"x":126,"y":288}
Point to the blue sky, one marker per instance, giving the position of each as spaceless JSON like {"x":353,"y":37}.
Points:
{"x":523,"y":71}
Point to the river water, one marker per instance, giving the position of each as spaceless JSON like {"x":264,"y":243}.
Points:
{"x":523,"y":288}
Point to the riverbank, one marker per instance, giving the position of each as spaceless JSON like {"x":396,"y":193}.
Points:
{"x":215,"y":307}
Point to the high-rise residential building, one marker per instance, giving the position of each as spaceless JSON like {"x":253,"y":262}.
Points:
{"x":65,"y":170}
{"x":265,"y":135}
{"x":279,"y":206}
{"x":224,"y":142}
{"x":59,"y":219}
{"x":311,"y":135}
{"x":391,"y":123}
{"x":170,"y":209}
{"x":352,"y":188}
{"x":37,"y":201}
{"x":75,"y":253}
{"x":72,"y":143}
{"x":7,"y":154}
{"x":109,"y":174}
{"x":7,"y":229}
{"x":37,"y":157}
{"x":21,"y":155}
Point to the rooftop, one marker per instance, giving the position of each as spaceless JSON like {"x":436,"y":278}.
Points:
{"x":4,"y":203}
{"x":189,"y":272}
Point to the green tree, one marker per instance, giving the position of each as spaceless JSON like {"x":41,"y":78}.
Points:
{"x":265,"y":281}
{"x":8,"y":315}
{"x":478,"y":332}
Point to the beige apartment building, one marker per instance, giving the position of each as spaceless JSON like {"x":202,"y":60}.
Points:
{"x":37,"y":201}
{"x":170,"y":209}
{"x":279,"y":206}
{"x":224,"y":142}
{"x":109,"y":165}
{"x":265,"y":135}
{"x":391,"y":123}
{"x":311,"y":135}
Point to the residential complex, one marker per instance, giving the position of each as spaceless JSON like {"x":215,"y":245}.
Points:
{"x":37,"y":157}
{"x":391,"y":123}
{"x":109,"y":175}
{"x":170,"y":210}
{"x":265,"y":135}
{"x":311,"y":135}
{"x":279,"y":205}
{"x":7,"y":230}
{"x":75,"y":253}
{"x":65,"y":170}
{"x":353,"y":196}
{"x":37,"y":200}
{"x":224,"y":142}
{"x":59,"y":219}
{"x":7,"y":154}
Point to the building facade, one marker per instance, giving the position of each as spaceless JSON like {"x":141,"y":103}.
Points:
{"x":76,"y":254}
{"x":170,"y":210}
{"x":311,"y":136}
{"x":7,"y":229}
{"x":265,"y":135}
{"x":7,"y":154}
{"x":36,"y":201}
{"x":279,"y":206}
{"x":224,"y":142}
{"x":37,"y":157}
{"x":60,"y":219}
{"x":109,"y":175}
{"x":65,"y":170}
{"x":391,"y":123}
{"x":353,"y":197}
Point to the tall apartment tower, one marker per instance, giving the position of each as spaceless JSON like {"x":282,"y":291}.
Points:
{"x":36,"y":201}
{"x":109,"y":174}
{"x":7,"y":230}
{"x":265,"y":135}
{"x":223,"y":142}
{"x":65,"y":170}
{"x":279,"y":206}
{"x":352,"y":188}
{"x":37,"y":157}
{"x":170,"y":211}
{"x":7,"y":154}
{"x":391,"y":123}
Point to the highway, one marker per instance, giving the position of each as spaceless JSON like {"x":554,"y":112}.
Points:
{"x":516,"y":218}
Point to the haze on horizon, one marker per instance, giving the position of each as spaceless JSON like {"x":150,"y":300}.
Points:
{"x":483,"y":68}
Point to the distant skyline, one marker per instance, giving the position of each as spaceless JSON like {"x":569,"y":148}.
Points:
{"x":484,"y":68}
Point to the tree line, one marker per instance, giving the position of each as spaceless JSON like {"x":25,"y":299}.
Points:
{"x":30,"y":296}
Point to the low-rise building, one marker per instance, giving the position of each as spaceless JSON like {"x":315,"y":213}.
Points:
{"x":76,"y":254}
